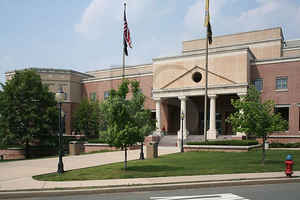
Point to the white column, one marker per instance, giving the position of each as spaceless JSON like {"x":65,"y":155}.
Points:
{"x":157,"y":106}
{"x":242,"y":96}
{"x":212,"y":132}
{"x":183,"y":100}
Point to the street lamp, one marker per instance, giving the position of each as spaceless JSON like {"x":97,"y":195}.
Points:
{"x":182,"y":117}
{"x":60,"y":96}
{"x":142,"y":157}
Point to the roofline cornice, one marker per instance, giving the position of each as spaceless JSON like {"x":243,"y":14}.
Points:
{"x":91,"y":80}
{"x":203,"y":54}
{"x":236,"y":45}
{"x":276,"y":60}
{"x":51,"y":70}
{"x":240,"y":33}
{"x":119,"y":68}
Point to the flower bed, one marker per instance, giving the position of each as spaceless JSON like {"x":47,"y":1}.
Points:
{"x":223,"y":145}
{"x":226,"y":142}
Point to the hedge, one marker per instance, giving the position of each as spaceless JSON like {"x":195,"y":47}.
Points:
{"x":96,"y":140}
{"x":226,"y":142}
{"x":282,"y":145}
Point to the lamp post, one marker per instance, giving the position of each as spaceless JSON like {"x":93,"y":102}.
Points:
{"x":182,"y":117}
{"x":142,"y":152}
{"x":60,"y":96}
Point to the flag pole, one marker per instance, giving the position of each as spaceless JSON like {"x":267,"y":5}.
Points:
{"x":123,"y":66}
{"x":206,"y":23}
{"x":206,"y":83}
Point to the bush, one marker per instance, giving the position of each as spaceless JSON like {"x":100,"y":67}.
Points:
{"x":3,"y":146}
{"x":282,"y":145}
{"x":226,"y":142}
{"x":96,"y":140}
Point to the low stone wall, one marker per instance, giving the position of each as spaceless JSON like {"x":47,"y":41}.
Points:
{"x":88,"y":147}
{"x":12,"y":154}
{"x":97,"y":147}
{"x":220,"y":148}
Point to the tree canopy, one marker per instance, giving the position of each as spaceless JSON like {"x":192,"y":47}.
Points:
{"x":254,"y":117}
{"x":27,"y":109}
{"x":127,"y":120}
{"x":87,"y":118}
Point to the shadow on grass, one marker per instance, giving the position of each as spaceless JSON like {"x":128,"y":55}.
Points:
{"x":151,"y":168}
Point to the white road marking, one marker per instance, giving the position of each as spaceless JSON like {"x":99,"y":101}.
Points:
{"x":228,"y":196}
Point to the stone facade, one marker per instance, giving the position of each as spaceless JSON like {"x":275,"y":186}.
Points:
{"x":177,"y":99}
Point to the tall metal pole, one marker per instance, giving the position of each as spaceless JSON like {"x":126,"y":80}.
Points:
{"x":60,"y":166}
{"x":123,"y":72}
{"x":206,"y":82}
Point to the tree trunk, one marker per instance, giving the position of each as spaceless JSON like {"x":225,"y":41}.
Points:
{"x":263,"y":151}
{"x":125,"y":162}
{"x":27,"y":149}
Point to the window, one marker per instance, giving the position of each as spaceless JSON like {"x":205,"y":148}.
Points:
{"x":64,"y":87}
{"x":106,"y":94}
{"x":281,"y":83}
{"x":283,"y":110}
{"x":258,"y":83}
{"x":93,"y":96}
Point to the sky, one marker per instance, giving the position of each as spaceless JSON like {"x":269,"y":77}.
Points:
{"x":86,"y":35}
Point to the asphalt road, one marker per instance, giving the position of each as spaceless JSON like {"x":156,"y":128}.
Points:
{"x":289,"y":191}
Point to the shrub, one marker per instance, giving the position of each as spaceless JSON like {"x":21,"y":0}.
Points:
{"x":226,"y":142}
{"x":282,"y":145}
{"x":96,"y":140}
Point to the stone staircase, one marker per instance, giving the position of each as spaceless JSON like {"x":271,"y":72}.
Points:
{"x":168,"y":140}
{"x":171,"y":140}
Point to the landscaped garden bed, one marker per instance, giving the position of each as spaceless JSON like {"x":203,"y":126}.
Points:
{"x":223,"y":145}
{"x":284,"y":145}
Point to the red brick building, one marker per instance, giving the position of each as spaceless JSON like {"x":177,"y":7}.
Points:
{"x":262,"y":57}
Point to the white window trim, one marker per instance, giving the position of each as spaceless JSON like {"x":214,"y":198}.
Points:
{"x":278,"y":78}
{"x":282,"y":105}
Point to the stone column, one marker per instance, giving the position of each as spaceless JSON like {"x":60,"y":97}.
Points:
{"x":183,"y":100}
{"x":242,"y":96}
{"x":157,"y":106}
{"x":212,"y":132}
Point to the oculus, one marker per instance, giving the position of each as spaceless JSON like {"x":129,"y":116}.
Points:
{"x":197,"y":77}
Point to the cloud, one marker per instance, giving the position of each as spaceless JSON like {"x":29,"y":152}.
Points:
{"x":257,"y":14}
{"x":101,"y":17}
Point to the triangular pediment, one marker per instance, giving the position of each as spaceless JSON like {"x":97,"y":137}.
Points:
{"x":185,"y":80}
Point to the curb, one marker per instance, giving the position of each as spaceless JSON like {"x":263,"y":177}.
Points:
{"x":140,"y":188}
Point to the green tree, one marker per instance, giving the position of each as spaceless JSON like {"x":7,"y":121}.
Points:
{"x":122,"y":116}
{"x":254,"y":117}
{"x":87,"y":118}
{"x":28,"y":110}
{"x":141,"y":116}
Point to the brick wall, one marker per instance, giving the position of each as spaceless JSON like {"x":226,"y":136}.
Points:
{"x":291,"y":96}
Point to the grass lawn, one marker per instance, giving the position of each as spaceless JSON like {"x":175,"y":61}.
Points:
{"x":179,"y":164}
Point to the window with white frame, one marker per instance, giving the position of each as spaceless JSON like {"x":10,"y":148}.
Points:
{"x":258,"y":83}
{"x":106,"y":94}
{"x":93,"y":96}
{"x":284,"y":111}
{"x":281,"y":83}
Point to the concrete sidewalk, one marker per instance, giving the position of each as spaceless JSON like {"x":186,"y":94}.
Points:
{"x":17,"y":176}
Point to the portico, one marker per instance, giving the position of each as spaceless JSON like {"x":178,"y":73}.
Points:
{"x":177,"y":93}
{"x":192,"y":107}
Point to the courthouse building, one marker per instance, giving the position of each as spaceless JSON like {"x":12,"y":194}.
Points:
{"x":175,"y":85}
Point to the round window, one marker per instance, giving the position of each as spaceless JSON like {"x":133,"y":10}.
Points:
{"x":197,"y":76}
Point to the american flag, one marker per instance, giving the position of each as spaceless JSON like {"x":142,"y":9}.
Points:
{"x":127,"y":39}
